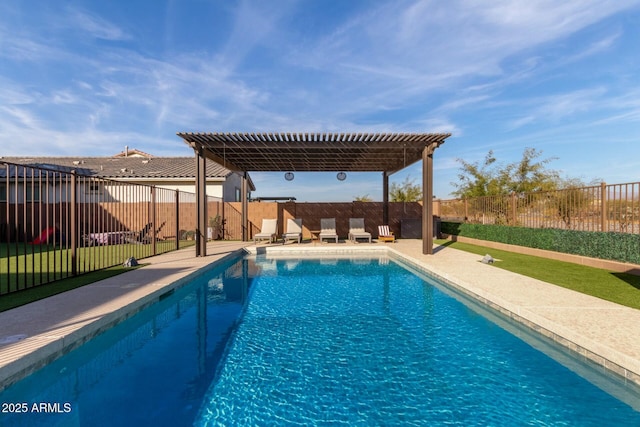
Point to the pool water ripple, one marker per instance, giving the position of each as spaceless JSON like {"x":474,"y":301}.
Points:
{"x":387,"y":349}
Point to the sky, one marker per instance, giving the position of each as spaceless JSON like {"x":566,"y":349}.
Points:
{"x":87,"y":78}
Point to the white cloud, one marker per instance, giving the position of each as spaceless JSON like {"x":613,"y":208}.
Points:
{"x":15,"y":117}
{"x":557,"y":107}
{"x":433,"y":45}
{"x":18,"y":48}
{"x":63,"y":97}
{"x":95,"y":25}
{"x":601,"y":45}
{"x":10,"y":94}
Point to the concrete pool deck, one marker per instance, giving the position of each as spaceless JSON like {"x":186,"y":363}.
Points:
{"x":606,"y":333}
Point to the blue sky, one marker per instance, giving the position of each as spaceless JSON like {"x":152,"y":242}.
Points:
{"x":91,"y":77}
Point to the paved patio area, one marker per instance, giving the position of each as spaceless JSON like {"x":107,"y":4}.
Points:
{"x":604,"y":332}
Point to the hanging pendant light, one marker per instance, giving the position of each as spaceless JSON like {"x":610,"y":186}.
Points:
{"x":341,"y":176}
{"x":289,"y":176}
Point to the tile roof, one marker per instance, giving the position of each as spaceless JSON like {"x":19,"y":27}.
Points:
{"x":125,"y":167}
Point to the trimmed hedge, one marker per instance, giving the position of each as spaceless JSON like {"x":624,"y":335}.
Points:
{"x":611,"y":246}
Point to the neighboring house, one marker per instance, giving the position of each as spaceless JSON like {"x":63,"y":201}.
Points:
{"x":134,"y":166}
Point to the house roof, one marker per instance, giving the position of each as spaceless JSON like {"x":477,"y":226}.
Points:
{"x":287,"y":151}
{"x":130,"y":168}
{"x":124,"y":167}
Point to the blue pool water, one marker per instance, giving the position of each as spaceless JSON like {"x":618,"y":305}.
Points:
{"x":314,"y":342}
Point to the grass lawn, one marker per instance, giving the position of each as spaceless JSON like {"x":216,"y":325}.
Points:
{"x":621,"y":288}
{"x":28,"y":268}
{"x":33,"y":294}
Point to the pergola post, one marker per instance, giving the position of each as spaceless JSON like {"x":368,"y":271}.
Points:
{"x":245,"y":209}
{"x":201,"y":203}
{"x":385,"y":198}
{"x":427,"y":200}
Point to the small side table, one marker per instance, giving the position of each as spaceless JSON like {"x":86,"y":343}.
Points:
{"x":315,"y":235}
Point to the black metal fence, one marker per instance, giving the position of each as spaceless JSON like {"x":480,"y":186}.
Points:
{"x":57,"y":223}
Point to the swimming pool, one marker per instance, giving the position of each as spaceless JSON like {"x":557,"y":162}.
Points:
{"x":279,"y":341}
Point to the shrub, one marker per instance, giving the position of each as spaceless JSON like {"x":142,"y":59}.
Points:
{"x":612,"y":246}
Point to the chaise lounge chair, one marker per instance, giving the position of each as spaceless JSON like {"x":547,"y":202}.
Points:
{"x":144,"y":236}
{"x":385,"y":235}
{"x":356,"y":230}
{"x":268,"y":231}
{"x":294,"y":231}
{"x":328,"y":229}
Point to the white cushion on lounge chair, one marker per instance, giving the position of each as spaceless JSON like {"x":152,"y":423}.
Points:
{"x":356,"y":230}
{"x":294,"y":230}
{"x":268,"y":231}
{"x":328,"y":229}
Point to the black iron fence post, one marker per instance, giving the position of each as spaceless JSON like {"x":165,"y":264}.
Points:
{"x":74,"y":224}
{"x":604,"y":226}
{"x":153,"y":220}
{"x":177,"y":219}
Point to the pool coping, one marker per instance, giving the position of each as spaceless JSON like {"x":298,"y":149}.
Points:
{"x":460,"y":270}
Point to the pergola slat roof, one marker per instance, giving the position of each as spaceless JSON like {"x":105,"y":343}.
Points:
{"x":308,"y":151}
{"x":314,"y":152}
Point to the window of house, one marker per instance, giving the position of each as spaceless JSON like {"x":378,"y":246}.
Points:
{"x":94,"y":188}
{"x":3,"y":192}
{"x":238,"y":199}
{"x":33,"y":193}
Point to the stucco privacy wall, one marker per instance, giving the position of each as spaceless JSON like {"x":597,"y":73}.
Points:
{"x":116,"y":216}
{"x":312,"y":213}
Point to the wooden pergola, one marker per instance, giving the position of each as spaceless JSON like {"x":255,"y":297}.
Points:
{"x":314,"y":152}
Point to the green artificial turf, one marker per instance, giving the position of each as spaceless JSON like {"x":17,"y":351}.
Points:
{"x":621,"y":288}
{"x":26,"y":269}
{"x":39,"y":292}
